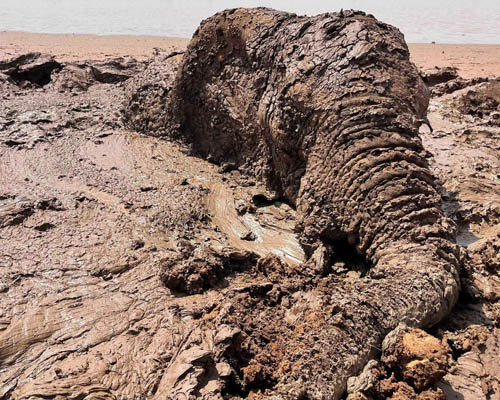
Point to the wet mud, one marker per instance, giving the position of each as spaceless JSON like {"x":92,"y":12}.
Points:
{"x":132,"y":268}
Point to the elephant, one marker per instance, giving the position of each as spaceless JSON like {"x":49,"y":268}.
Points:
{"x":326,"y":111}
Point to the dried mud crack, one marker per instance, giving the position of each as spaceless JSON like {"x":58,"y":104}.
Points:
{"x":317,"y":221}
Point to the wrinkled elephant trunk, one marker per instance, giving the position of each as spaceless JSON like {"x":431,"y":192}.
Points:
{"x":368,"y":182}
{"x":427,"y":277}
{"x":410,"y":284}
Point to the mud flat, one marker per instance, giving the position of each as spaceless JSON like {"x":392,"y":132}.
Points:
{"x":130,"y":268}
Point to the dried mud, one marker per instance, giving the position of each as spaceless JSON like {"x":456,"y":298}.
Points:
{"x":129,"y":268}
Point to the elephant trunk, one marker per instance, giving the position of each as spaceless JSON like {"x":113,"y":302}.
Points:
{"x":367,"y":181}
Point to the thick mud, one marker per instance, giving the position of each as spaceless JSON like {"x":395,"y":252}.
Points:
{"x":131,"y":269}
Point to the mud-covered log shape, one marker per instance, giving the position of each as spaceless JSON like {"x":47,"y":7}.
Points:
{"x":326,"y":110}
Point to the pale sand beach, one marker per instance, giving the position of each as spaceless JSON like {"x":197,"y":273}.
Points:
{"x":68,"y":47}
{"x":472,"y":60}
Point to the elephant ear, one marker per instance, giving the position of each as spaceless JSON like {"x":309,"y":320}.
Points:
{"x":220,"y":88}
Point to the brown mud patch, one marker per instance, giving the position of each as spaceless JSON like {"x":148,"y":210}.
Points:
{"x":90,"y":214}
{"x":93,"y":215}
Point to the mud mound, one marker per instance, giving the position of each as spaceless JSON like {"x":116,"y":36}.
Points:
{"x":435,"y":76}
{"x":146,"y":107}
{"x":35,"y":68}
{"x":420,"y":359}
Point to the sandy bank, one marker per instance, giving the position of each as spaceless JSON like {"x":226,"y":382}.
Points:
{"x":472,"y":60}
{"x":79,"y":47}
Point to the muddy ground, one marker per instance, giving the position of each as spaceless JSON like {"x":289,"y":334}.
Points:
{"x":130,"y":269}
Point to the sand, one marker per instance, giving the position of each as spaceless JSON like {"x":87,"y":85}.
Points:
{"x":80,"y":47}
{"x":472,"y":60}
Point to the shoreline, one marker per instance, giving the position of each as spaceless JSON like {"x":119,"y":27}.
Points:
{"x":472,"y":60}
{"x":77,"y":47}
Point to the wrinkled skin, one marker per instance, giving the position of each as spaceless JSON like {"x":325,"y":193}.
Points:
{"x":326,"y":111}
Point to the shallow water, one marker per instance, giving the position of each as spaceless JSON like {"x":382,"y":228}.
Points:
{"x":445,"y":21}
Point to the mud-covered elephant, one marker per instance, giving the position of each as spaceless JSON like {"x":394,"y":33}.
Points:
{"x":326,"y":111}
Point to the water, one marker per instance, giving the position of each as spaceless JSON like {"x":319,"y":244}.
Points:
{"x":442,"y":21}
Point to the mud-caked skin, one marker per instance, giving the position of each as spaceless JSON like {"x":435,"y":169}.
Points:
{"x":326,"y":110}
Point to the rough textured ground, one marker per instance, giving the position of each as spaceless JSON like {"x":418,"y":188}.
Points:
{"x":97,"y":222}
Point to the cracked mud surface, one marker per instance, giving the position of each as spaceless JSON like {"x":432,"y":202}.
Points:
{"x":91,"y":214}
{"x":131,"y":269}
